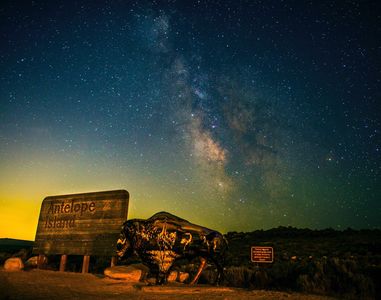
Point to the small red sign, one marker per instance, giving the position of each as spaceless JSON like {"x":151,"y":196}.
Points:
{"x":262,"y":254}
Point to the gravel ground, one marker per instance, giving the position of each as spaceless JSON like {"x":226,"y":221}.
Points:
{"x":43,"y":284}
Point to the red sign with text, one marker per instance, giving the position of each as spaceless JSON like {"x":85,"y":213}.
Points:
{"x":262,"y":254}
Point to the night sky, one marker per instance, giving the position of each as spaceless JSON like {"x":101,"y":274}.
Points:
{"x":236,"y":115}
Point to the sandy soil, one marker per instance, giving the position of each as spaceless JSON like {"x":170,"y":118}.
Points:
{"x":42,"y":284}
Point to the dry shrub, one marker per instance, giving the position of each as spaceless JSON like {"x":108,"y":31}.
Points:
{"x":261,"y":279}
{"x":283,"y":275}
{"x":245,"y":277}
{"x":239,"y":277}
{"x":336,"y":276}
{"x":208,"y":276}
{"x":339,"y":277}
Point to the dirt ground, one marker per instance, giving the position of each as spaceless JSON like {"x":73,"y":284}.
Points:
{"x":43,"y":284}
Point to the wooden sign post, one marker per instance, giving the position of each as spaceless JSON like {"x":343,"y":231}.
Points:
{"x":63,"y":262}
{"x":81,"y":224}
{"x":86,"y":263}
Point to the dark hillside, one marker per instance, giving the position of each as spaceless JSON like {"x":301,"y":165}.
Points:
{"x":291,"y":242}
{"x":14,"y":245}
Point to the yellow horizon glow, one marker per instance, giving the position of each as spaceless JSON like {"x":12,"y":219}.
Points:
{"x":18,"y":218}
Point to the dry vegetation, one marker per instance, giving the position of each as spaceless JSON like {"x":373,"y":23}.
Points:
{"x":345,"y":264}
{"x":341,"y":263}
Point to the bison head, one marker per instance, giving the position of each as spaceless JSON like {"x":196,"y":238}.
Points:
{"x":124,"y":244}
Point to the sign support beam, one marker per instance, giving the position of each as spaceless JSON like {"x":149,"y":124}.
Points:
{"x":40,"y":261}
{"x":86,"y":263}
{"x":63,"y":262}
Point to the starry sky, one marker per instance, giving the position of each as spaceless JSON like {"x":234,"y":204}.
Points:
{"x":236,"y":115}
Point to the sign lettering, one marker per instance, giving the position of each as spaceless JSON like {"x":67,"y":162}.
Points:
{"x":81,"y":224}
{"x":262,"y":254}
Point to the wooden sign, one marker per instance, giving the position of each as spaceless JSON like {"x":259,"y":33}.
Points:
{"x":262,"y":254}
{"x":81,"y":224}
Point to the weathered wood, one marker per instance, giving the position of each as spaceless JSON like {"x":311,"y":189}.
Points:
{"x":86,"y":263}
{"x":94,"y":247}
{"x":81,"y":224}
{"x":113,"y":261}
{"x":63,"y":262}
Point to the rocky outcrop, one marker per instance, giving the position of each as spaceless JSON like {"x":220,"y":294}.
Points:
{"x":172,"y":276}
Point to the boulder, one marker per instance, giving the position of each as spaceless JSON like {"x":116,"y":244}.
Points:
{"x":33,"y":261}
{"x":178,"y":276}
{"x":13,"y":264}
{"x":132,"y":273}
{"x":183,"y":276}
{"x":172,"y":276}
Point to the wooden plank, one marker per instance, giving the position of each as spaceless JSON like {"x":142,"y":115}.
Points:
{"x":63,"y":263}
{"x":81,"y":224}
{"x":86,"y":263}
{"x":93,"y":247}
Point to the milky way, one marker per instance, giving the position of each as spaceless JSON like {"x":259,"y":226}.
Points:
{"x":237,"y":115}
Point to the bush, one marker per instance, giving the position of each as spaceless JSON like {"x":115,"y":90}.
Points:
{"x":336,"y":276}
{"x":239,"y":277}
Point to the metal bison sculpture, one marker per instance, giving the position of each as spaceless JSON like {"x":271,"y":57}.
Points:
{"x":164,"y":238}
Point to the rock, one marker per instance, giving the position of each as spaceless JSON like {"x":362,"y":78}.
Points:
{"x":32,"y":262}
{"x":172,"y":276}
{"x":183,"y":276}
{"x":133,"y":273}
{"x":177,"y":276}
{"x":13,"y":264}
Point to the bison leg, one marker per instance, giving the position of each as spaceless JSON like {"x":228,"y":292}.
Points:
{"x":199,"y":271}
